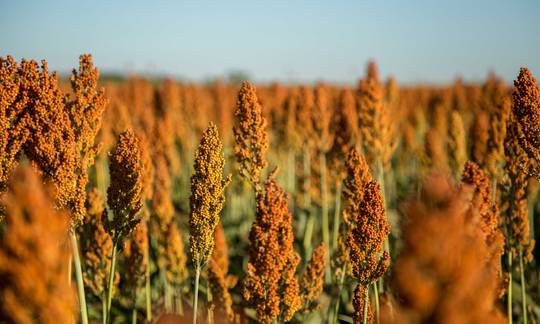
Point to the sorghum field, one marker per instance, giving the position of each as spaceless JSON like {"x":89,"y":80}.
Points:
{"x":160,"y":201}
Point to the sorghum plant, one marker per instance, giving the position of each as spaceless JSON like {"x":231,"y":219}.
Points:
{"x":206,"y":201}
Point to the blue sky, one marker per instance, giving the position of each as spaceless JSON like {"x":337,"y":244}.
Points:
{"x":417,"y":41}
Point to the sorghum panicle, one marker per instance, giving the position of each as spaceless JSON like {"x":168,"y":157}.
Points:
{"x":270,"y":286}
{"x":346,"y":133}
{"x":358,"y":176}
{"x":514,"y":206}
{"x":124,"y":195}
{"x":51,"y":145}
{"x":370,"y":229}
{"x":443,"y":275}
{"x":34,"y":257}
{"x":250,"y":134}
{"x":207,"y":195}
{"x":375,"y":120}
{"x":526,"y":108}
{"x":313,"y":277}
{"x":482,"y":201}
{"x":218,"y":277}
{"x":457,"y":143}
{"x":136,"y":257}
{"x":96,"y":245}
{"x":12,"y":105}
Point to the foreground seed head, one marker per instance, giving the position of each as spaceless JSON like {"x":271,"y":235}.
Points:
{"x":124,"y":195}
{"x":207,"y":195}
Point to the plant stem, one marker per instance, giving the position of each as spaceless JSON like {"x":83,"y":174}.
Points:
{"x":79,"y":277}
{"x":179,"y":305}
{"x":376,"y":298}
{"x":509,"y":294}
{"x":308,"y":235}
{"x":148,"y":292}
{"x":338,"y":299}
{"x":111,"y":282}
{"x":104,"y":307}
{"x":324,"y":211}
{"x":337,"y":215}
{"x":167,"y":292}
{"x":307,"y":204}
{"x":196,"y":295}
{"x":210,"y":310}
{"x":523,"y":286}
{"x":134,"y":315}
{"x":290,"y":173}
{"x":386,"y":244}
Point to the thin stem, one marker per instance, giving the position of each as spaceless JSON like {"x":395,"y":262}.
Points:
{"x":338,"y":299}
{"x":134,"y":310}
{"x":179,"y":304}
{"x":337,"y":213}
{"x":308,"y":235}
{"x":386,"y":244}
{"x":111,"y":282}
{"x":104,"y":307}
{"x":324,"y":211}
{"x":290,"y":172}
{"x":167,"y":292}
{"x":196,"y":295}
{"x":79,"y":277}
{"x":148,"y":292}
{"x":376,"y":298}
{"x":210,"y":310}
{"x":307,"y":204}
{"x":523,"y":285}
{"x":509,"y":294}
{"x":134,"y":315}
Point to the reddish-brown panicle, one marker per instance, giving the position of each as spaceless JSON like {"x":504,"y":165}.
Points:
{"x":250,"y":136}
{"x":526,"y":108}
{"x":34,"y":257}
{"x":124,"y":195}
{"x":270,"y":286}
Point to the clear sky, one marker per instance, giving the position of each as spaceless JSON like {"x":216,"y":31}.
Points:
{"x":417,"y":41}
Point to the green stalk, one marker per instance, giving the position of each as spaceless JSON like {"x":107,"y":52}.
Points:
{"x":134,"y":310}
{"x":324,"y":211}
{"x":308,"y":235}
{"x":111,"y":282}
{"x":509,"y":295}
{"x":376,"y":298}
{"x":148,"y":292}
{"x":134,"y":315}
{"x":104,"y":307}
{"x":340,"y":288}
{"x":79,"y":277}
{"x":209,"y":309}
{"x":523,"y":286}
{"x":179,"y":305}
{"x":290,"y":172}
{"x":196,"y":295}
{"x":167,"y":292}
{"x":307,"y":204}
{"x":337,"y":216}
{"x":386,"y":244}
